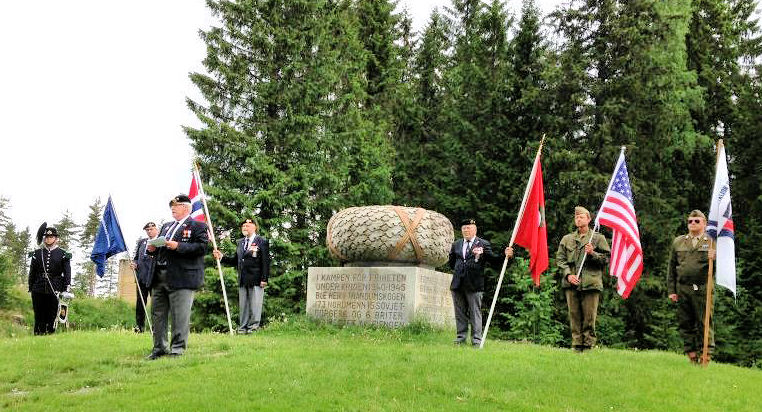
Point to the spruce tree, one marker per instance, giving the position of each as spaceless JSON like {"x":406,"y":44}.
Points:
{"x":285,"y":134}
{"x":85,"y":278}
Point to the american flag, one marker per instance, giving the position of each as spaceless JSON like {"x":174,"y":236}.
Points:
{"x":195,"y":193}
{"x":618,"y":213}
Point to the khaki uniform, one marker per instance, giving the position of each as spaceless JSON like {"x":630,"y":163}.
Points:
{"x":582,"y":300}
{"x":687,"y":275}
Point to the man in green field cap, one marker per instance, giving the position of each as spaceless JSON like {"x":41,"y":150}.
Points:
{"x":583,"y":291}
{"x":686,"y":283}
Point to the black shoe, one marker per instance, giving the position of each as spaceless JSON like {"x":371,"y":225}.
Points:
{"x":156,"y":355}
{"x":137,"y":329}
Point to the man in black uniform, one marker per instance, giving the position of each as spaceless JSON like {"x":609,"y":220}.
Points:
{"x":49,"y":273}
{"x":252,"y":259}
{"x":143,"y":263}
{"x":178,"y":273}
{"x":468,"y":257}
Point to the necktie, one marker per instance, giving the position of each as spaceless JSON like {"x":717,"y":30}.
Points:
{"x":465,"y":251}
{"x":170,"y":232}
{"x":246,"y":245}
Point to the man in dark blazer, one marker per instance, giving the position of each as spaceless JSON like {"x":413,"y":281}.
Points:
{"x":179,"y":253}
{"x":252,"y":260}
{"x":143,"y":263}
{"x":468,"y":257}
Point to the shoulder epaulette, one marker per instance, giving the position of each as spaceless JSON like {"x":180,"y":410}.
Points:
{"x":31,"y":254}
{"x":66,"y":254}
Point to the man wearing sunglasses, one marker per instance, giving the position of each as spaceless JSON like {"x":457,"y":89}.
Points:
{"x":686,"y":283}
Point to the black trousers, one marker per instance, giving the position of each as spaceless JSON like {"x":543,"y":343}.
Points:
{"x":140,"y":313}
{"x":45,"y":307}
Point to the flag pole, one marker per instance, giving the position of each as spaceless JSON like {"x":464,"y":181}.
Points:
{"x":197,"y":175}
{"x":597,"y":224}
{"x":140,"y":292}
{"x":709,"y":282}
{"x":513,"y":237}
{"x":134,"y":274}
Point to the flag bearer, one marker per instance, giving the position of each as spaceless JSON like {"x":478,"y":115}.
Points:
{"x":686,"y":283}
{"x":582,"y":292}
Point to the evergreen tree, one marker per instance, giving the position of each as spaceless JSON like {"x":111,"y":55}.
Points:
{"x":85,"y":278}
{"x":421,"y":169}
{"x":67,"y":231}
{"x":285,"y":134}
{"x":16,"y":245}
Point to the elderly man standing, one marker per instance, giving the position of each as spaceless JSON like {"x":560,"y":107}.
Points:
{"x":468,"y":257}
{"x":686,"y":283}
{"x":143,"y":263}
{"x":179,"y":252}
{"x":252,"y":259}
{"x":583,"y":291}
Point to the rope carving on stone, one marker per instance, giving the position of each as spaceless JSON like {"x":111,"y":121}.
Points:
{"x":409,"y":235}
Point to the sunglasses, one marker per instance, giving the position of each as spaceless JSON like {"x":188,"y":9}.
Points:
{"x":697,"y":221}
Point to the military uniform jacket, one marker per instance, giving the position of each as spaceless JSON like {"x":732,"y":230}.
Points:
{"x":185,"y":265}
{"x":688,"y":265}
{"x":468,"y":273}
{"x":56,"y":263}
{"x":569,"y":257}
{"x":251,"y":270}
{"x":145,"y":264}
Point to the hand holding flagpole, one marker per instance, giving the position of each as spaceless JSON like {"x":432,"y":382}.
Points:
{"x":197,"y":176}
{"x":522,"y":209}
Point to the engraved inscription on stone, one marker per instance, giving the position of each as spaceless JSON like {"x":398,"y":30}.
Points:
{"x":391,"y":296}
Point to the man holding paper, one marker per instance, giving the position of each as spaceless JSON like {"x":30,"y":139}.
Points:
{"x":179,"y":250}
{"x":252,"y":259}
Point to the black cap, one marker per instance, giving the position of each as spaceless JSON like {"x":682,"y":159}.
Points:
{"x":51,"y":231}
{"x":149,"y":224}
{"x":181,"y":198}
{"x":468,"y":221}
{"x":249,"y":220}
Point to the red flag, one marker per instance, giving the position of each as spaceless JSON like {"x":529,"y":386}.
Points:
{"x":532,"y":234}
{"x":195,"y":193}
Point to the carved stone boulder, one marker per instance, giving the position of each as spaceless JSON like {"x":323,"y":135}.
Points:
{"x":389,"y":235}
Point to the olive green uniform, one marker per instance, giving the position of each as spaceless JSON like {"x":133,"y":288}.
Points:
{"x":582,"y":300}
{"x":688,"y":269}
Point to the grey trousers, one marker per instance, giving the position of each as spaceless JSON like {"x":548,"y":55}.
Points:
{"x":250,"y":301}
{"x":468,"y":309}
{"x":170,"y":304}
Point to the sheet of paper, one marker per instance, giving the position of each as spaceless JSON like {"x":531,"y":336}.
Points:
{"x":158,"y":242}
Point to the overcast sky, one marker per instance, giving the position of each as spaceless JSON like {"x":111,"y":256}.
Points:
{"x":93,"y":100}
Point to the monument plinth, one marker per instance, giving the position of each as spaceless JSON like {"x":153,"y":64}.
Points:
{"x":388,"y":253}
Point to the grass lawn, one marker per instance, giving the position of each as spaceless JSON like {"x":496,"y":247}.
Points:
{"x":304,"y":366}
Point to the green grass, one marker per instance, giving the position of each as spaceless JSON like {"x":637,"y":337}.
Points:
{"x":301,"y":365}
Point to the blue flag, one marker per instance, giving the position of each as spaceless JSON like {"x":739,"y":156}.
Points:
{"x":108,"y":241}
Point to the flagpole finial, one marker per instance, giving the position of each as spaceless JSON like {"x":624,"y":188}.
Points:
{"x":624,"y":148}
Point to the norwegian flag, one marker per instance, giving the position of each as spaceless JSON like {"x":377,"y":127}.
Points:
{"x":618,"y":213}
{"x":195,"y":193}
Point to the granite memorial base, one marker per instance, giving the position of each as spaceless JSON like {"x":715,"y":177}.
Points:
{"x":391,"y":295}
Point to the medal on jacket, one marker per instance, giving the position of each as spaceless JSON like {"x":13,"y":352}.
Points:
{"x":186,"y":233}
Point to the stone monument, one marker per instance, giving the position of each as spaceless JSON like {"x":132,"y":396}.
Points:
{"x":388,"y":256}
